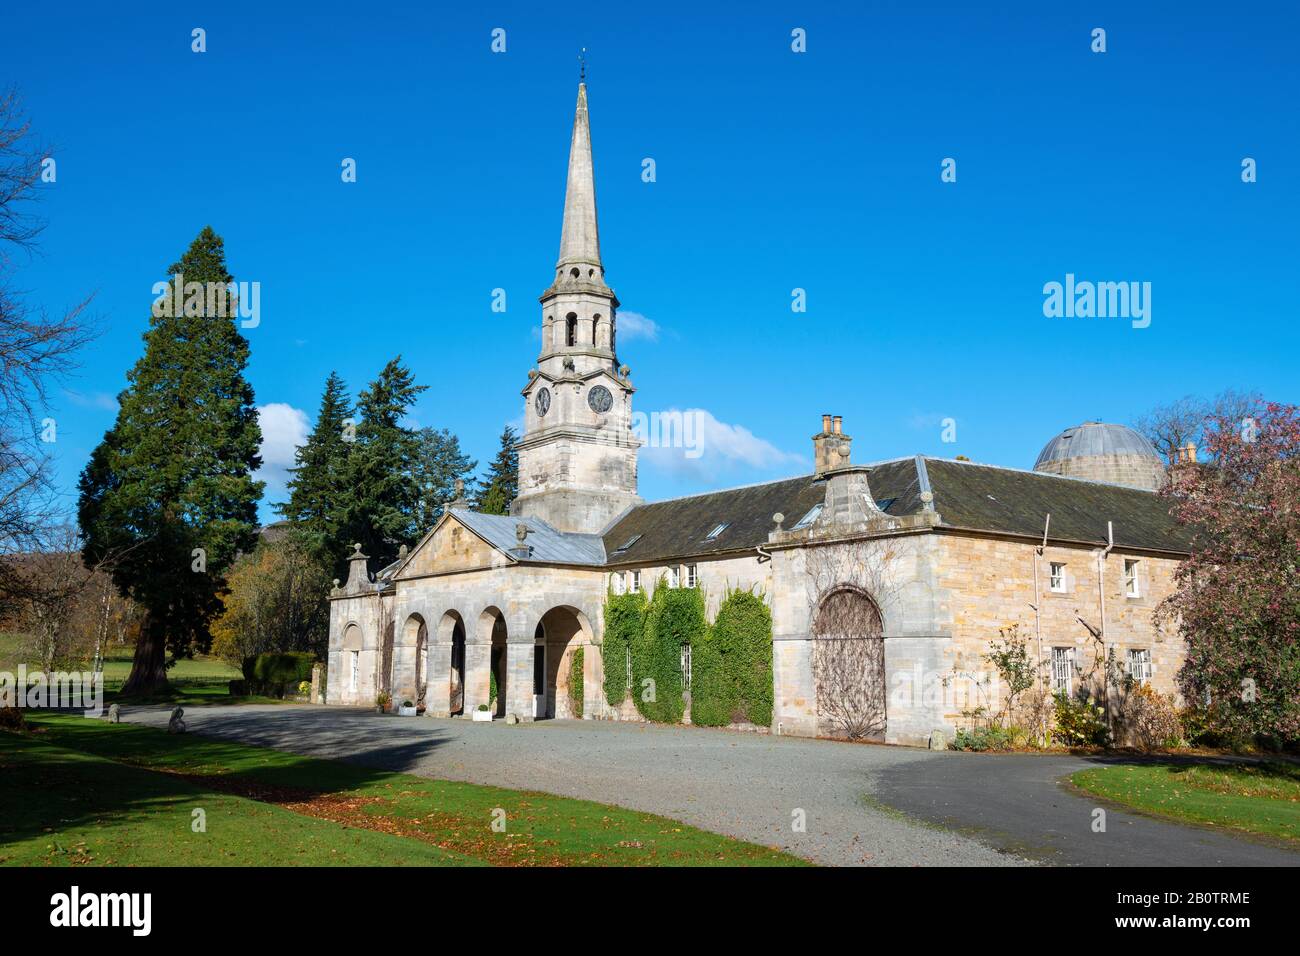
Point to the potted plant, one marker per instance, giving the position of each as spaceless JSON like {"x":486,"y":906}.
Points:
{"x":484,"y":713}
{"x":407,"y":709}
{"x":382,"y":702}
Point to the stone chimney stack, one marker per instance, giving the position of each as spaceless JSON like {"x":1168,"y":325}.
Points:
{"x":831,"y":445}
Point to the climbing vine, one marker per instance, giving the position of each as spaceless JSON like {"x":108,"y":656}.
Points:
{"x":624,"y":622}
{"x":575,"y":681}
{"x":675,"y":619}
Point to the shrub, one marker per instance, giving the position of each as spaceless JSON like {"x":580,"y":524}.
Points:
{"x":1200,"y":728}
{"x":675,"y":618}
{"x":987,"y":738}
{"x":237,"y":688}
{"x":383,"y":699}
{"x":624,"y":624}
{"x":575,"y":681}
{"x":492,"y":685}
{"x":272,"y":673}
{"x":1079,"y":723}
{"x":11,"y":718}
{"x":1151,"y":719}
{"x":742,"y":633}
{"x":713,"y":700}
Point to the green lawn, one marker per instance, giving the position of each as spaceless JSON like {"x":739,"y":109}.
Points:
{"x":1256,"y":798}
{"x":194,"y":681}
{"x":86,"y":791}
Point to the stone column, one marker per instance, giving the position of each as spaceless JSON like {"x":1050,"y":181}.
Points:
{"x":478,"y":664}
{"x":593,"y":682}
{"x":437,"y":695}
{"x":519,"y":676}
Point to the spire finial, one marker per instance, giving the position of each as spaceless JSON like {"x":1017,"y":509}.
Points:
{"x":582,"y":65}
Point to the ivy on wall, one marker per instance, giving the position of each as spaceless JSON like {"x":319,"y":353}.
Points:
{"x":575,"y":681}
{"x":624,"y":622}
{"x":742,"y":633}
{"x":674,"y":618}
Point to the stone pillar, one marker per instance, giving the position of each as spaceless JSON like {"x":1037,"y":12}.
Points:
{"x":519,"y":677}
{"x":317,"y":674}
{"x":478,"y":663}
{"x":437,"y":695}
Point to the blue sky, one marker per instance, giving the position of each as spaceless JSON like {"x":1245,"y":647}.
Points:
{"x":775,"y":170}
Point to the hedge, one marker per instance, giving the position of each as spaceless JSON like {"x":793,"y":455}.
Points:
{"x":675,"y":618}
{"x":271,"y":673}
{"x":624,"y":622}
{"x":742,"y":632}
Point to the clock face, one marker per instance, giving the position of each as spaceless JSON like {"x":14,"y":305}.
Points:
{"x":599,"y":399}
{"x":543,"y":401}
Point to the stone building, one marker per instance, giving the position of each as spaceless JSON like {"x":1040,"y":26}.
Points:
{"x":905,"y":568}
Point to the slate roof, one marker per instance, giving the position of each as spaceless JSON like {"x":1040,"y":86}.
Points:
{"x":546,"y":545}
{"x":966,"y":495}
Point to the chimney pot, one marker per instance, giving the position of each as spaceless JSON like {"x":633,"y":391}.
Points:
{"x":826,"y":424}
{"x":839,"y":422}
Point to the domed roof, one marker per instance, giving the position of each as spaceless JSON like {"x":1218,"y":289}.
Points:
{"x":1096,"y":438}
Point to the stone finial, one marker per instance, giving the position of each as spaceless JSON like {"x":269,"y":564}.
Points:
{"x":459,"y":485}
{"x":358,"y":570}
{"x":521,"y":532}
{"x":521,"y":549}
{"x":402,"y":552}
{"x":778,"y":518}
{"x":624,"y":371}
{"x":532,"y":374}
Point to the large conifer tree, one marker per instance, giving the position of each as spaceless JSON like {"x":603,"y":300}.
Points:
{"x":501,"y":484}
{"x":381,"y":500}
{"x":438,"y":464}
{"x":169,"y":492}
{"x":320,"y":477}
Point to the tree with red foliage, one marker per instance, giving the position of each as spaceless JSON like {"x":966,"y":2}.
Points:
{"x":1237,"y":604}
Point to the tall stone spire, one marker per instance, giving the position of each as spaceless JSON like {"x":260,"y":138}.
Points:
{"x":577,"y":456}
{"x":580,"y":236}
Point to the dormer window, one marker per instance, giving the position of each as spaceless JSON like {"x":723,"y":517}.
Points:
{"x":810,"y":517}
{"x":717,"y":530}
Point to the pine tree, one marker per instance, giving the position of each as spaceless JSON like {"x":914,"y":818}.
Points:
{"x":380,"y":504}
{"x":320,"y":476}
{"x":439,"y":462}
{"x":501,"y":485}
{"x":169,"y":493}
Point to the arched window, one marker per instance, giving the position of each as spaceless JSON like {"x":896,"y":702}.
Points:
{"x":571,"y":329}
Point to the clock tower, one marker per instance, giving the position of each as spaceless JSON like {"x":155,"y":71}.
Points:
{"x":577,"y":457}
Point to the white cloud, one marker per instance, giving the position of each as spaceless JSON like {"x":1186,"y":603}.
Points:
{"x":284,"y":428}
{"x":694,"y":444}
{"x":100,"y":400}
{"x":634,"y":325}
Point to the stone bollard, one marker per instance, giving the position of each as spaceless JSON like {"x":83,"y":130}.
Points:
{"x":176,"y":725}
{"x":938,"y":741}
{"x":114,"y":714}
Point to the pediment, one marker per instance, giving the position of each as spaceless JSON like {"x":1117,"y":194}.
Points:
{"x":449,"y":547}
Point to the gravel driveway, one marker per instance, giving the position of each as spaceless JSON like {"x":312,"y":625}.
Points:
{"x":862,"y":804}
{"x":744,"y":785}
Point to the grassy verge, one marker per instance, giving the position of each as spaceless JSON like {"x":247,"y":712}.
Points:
{"x":87,"y":791}
{"x":1263,"y":799}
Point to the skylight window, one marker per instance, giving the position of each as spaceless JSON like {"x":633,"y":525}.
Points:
{"x":628,"y":543}
{"x":810,"y":517}
{"x":717,"y":530}
{"x":884,"y":503}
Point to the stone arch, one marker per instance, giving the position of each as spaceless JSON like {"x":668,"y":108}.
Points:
{"x":354,"y":667}
{"x":848,"y":663}
{"x":450,"y":654}
{"x":571,"y":329}
{"x":493,"y":635}
{"x":562,"y":631}
{"x":411,"y":662}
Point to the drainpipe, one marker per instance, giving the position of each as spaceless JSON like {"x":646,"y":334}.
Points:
{"x":1038,"y":598}
{"x":1101,"y":601}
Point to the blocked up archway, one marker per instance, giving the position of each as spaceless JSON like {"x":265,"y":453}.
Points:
{"x":848,"y":663}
